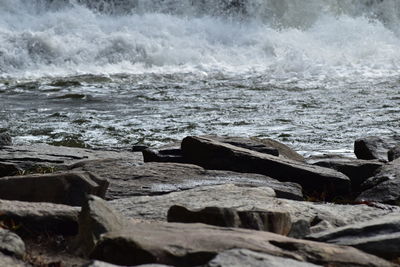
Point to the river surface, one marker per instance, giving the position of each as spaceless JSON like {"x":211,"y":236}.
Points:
{"x":314,"y":74}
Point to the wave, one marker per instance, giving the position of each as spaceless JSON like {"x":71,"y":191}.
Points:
{"x":282,"y":39}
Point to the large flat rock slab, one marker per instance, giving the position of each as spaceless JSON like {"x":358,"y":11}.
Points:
{"x":246,"y":198}
{"x":380,"y":236}
{"x":196,"y":244}
{"x":68,"y":188}
{"x":33,"y":156}
{"x":128,"y":178}
{"x":40,"y":217}
{"x":212,"y":154}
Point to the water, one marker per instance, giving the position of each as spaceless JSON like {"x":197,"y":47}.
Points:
{"x":315,"y":74}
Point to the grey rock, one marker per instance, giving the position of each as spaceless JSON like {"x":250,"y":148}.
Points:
{"x":275,"y":222}
{"x":95,"y":219}
{"x":68,"y":188}
{"x":246,"y":198}
{"x":321,"y":226}
{"x":8,"y":169}
{"x":6,"y":261}
{"x":11,"y":244}
{"x":374,"y":147}
{"x":300,"y":229}
{"x":105,"y":264}
{"x":36,"y":218}
{"x":166,"y":155}
{"x":128,"y":178}
{"x":356,"y":169}
{"x":380,"y":236}
{"x":196,"y":244}
{"x":212,"y":154}
{"x":384,"y":187}
{"x":47,"y":156}
{"x":394,"y":153}
{"x":5,"y":139}
{"x":244,"y":257}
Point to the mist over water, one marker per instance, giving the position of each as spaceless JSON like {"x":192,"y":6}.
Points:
{"x":329,"y":64}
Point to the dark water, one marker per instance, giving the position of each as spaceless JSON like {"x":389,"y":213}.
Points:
{"x":313,"y":74}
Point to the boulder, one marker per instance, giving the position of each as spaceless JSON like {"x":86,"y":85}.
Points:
{"x":356,"y":169}
{"x":11,"y":244}
{"x":212,"y":154}
{"x":105,"y":264}
{"x":9,"y":169}
{"x":196,"y":244}
{"x":380,"y":236}
{"x":6,"y":260}
{"x":245,"y":257}
{"x":131,"y":179}
{"x":95,"y":219}
{"x":166,"y":155}
{"x":384,"y":186}
{"x":275,"y":222}
{"x":42,"y":156}
{"x":34,"y":218}
{"x":5,"y":139}
{"x":374,"y":147}
{"x":68,"y":188}
{"x":246,"y":198}
{"x":394,"y":153}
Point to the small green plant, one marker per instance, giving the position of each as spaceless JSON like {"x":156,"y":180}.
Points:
{"x":38,"y":170}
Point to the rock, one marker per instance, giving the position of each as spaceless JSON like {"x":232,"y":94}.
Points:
{"x":36,"y":156}
{"x":68,"y":188}
{"x":212,"y":154}
{"x":11,"y":261}
{"x":356,"y":169}
{"x":95,"y":219}
{"x":394,"y":153}
{"x":246,"y":198}
{"x":105,"y":264}
{"x":300,"y":229}
{"x":5,"y":139}
{"x":167,"y":155}
{"x":33,"y":218}
{"x":379,"y":237}
{"x":373,"y":147}
{"x":131,"y":179}
{"x":320,"y":226}
{"x":384,"y":187}
{"x":196,"y":244}
{"x":244,"y":257}
{"x":11,"y":244}
{"x":9,"y":169}
{"x":275,"y":222}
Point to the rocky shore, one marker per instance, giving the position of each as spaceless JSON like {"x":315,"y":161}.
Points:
{"x":207,"y":201}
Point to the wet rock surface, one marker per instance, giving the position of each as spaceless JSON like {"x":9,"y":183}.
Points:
{"x":131,"y":179}
{"x":40,"y":217}
{"x":380,"y":236}
{"x":374,"y":147}
{"x":212,"y":154}
{"x":68,"y":188}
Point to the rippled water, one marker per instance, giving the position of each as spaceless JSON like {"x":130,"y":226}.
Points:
{"x":313,"y":74}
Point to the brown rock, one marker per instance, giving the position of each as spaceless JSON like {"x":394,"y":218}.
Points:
{"x":212,"y":154}
{"x":275,"y":222}
{"x":196,"y":244}
{"x":68,"y":188}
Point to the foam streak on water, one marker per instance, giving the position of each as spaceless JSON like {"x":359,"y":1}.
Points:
{"x":183,"y":50}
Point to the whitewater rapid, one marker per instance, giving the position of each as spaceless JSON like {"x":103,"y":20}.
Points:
{"x":284,"y":40}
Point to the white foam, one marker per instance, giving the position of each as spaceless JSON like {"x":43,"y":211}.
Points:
{"x":285,"y":40}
